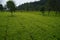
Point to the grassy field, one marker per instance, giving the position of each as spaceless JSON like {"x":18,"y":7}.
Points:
{"x":29,"y":26}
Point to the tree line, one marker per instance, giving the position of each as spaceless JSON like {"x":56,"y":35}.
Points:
{"x":42,"y":5}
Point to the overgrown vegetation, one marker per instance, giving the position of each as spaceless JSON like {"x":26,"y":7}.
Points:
{"x":30,"y":21}
{"x":29,"y":26}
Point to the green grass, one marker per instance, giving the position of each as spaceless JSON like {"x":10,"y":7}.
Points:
{"x":29,"y":26}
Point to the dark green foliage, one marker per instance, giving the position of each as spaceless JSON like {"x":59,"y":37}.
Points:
{"x":1,"y":7}
{"x":49,"y":5}
{"x":54,"y":5}
{"x":32,"y":6}
{"x":43,"y":10}
{"x":11,"y":6}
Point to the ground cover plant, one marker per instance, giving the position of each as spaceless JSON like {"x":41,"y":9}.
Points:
{"x":29,"y":26}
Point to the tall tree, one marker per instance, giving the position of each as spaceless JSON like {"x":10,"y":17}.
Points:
{"x":11,"y":6}
{"x":1,"y":7}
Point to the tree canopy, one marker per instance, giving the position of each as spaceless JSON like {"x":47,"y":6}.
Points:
{"x":11,"y":6}
{"x":1,"y":7}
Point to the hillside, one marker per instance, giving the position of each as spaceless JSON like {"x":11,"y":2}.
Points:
{"x":32,"y":6}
